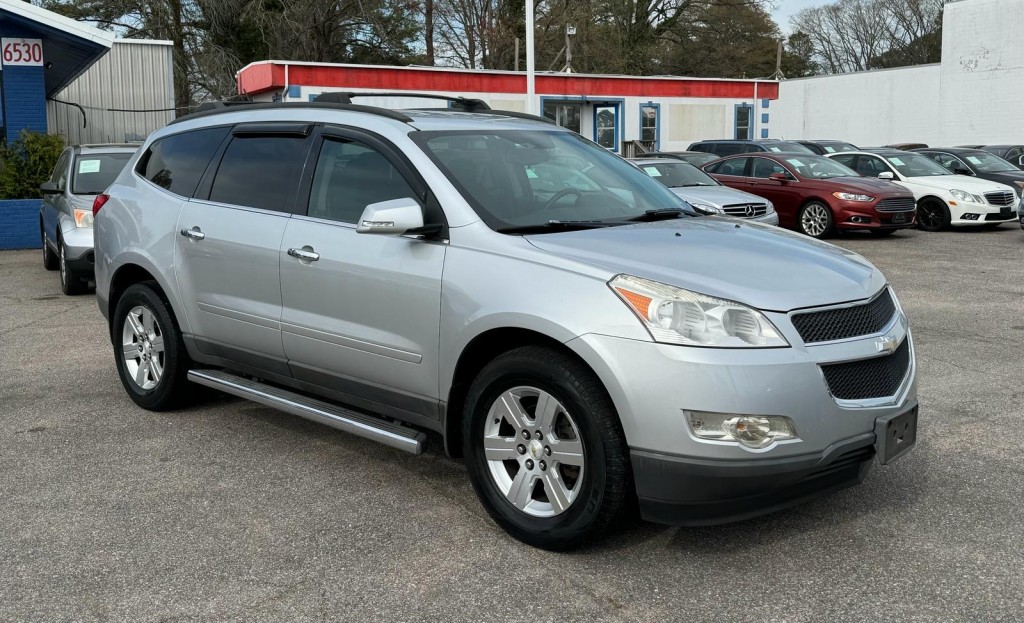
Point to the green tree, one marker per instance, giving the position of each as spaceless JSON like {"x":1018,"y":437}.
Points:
{"x":26,"y":163}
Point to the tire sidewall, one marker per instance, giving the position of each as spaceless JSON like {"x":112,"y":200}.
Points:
{"x":829,"y":226}
{"x":943,"y":212}
{"x":568,"y":527}
{"x":164,"y":394}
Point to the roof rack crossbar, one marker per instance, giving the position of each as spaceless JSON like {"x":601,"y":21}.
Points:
{"x":465,"y":104}
{"x":216,"y":108}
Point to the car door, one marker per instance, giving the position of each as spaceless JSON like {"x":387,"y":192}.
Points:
{"x":54,"y":202}
{"x":228,"y":239}
{"x":786,"y":196}
{"x":361,"y":313}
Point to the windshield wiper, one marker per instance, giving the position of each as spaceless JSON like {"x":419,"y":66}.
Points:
{"x":554,"y":225}
{"x":661,"y":214}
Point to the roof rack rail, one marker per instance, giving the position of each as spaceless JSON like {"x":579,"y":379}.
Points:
{"x":216,"y":108}
{"x":464,"y":104}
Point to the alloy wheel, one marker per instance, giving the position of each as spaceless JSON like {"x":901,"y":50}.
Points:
{"x":930,"y":217}
{"x":142,"y":346}
{"x":814,"y":220}
{"x":534,"y":451}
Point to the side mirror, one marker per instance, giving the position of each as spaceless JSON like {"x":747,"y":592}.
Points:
{"x":962,"y":171}
{"x":1020,"y":161}
{"x":779,"y":177}
{"x":48,"y":188}
{"x":392,"y":218}
{"x":886,"y":175}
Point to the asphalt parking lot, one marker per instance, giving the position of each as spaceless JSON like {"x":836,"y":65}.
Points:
{"x":231,"y":511}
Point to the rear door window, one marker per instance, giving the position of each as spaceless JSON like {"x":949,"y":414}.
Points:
{"x":733,"y":166}
{"x":177,"y":162}
{"x":260,"y":171}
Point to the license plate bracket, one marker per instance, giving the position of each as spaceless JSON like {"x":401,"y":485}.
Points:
{"x":895,"y":435}
{"x":899,"y":218}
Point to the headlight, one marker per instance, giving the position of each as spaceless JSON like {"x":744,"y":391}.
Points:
{"x":83,"y":218}
{"x":853,"y":197}
{"x":963,"y":195}
{"x":1020,"y":187}
{"x":677,"y":316}
{"x":753,"y":431}
{"x":771,"y":207}
{"x":707,"y":207}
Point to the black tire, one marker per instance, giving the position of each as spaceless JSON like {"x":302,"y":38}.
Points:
{"x":932,"y":215}
{"x":50,"y":261}
{"x":71,"y":283}
{"x":826,"y":222}
{"x":606,"y":484}
{"x":173,"y":389}
{"x":882,"y":233}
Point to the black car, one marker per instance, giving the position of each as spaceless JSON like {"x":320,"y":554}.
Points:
{"x":828,"y":147}
{"x":1014,"y":154}
{"x":696,"y":158}
{"x":978,"y":163}
{"x":728,"y":147}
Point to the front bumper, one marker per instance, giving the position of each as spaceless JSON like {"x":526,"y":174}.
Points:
{"x":78,"y":248}
{"x":683,"y":479}
{"x":863,"y":215}
{"x":980,"y":214}
{"x":772,"y":218}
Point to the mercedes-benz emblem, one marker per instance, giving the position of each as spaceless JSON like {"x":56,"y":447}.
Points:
{"x":749,"y":211}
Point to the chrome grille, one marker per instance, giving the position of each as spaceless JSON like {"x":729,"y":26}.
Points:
{"x":896,"y":204}
{"x":743,"y":210}
{"x":846,"y":322}
{"x":880,"y":377}
{"x":1000,"y":198}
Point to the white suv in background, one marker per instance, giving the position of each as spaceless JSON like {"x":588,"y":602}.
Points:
{"x":943,"y":198}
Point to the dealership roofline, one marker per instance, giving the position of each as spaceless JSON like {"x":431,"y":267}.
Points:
{"x":57,"y":21}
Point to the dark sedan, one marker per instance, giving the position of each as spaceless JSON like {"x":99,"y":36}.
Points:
{"x":817,"y":196}
{"x":1014,"y":154}
{"x":978,"y":163}
{"x":696,"y":158}
{"x":828,"y":147}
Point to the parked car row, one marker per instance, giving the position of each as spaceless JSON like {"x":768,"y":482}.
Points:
{"x":821,"y":187}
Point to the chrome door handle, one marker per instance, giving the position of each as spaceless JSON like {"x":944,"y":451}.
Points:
{"x":193,"y":234}
{"x":304,"y":254}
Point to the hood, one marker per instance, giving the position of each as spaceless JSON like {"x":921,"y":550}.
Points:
{"x":716,"y":195}
{"x":1010,"y":178}
{"x":961,"y":182}
{"x":866,"y":185}
{"x":759,"y":265}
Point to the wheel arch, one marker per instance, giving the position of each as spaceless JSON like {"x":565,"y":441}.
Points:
{"x":131,"y":273}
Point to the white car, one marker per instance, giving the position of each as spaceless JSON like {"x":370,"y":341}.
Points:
{"x":943,"y":198}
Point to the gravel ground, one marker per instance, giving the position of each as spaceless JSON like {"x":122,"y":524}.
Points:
{"x":230,"y":511}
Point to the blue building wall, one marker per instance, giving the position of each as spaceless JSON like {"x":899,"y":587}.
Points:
{"x":24,"y":91}
{"x":20,"y":224}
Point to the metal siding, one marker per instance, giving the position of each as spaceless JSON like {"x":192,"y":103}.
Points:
{"x":132,"y":76}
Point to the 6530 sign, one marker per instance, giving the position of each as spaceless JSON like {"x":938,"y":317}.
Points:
{"x":21,"y":51}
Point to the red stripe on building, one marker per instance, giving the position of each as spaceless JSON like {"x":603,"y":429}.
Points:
{"x":264,"y":77}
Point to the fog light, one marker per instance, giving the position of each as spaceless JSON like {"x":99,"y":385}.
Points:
{"x":753,"y":431}
{"x":970,"y":216}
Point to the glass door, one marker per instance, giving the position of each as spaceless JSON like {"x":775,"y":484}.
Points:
{"x":565,"y":114}
{"x":605,"y":125}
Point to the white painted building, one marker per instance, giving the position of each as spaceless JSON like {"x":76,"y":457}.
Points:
{"x":974,"y":96}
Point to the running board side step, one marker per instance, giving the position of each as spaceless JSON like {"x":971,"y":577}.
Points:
{"x":368,"y":426}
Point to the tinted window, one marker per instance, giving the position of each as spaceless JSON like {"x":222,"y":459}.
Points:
{"x":846,"y":161}
{"x":729,"y":149}
{"x":764,"y":167}
{"x":259,"y":171}
{"x":916,"y":165}
{"x":177,"y":162}
{"x":735,"y":166}
{"x":60,"y":172}
{"x":790,"y":147}
{"x":350,"y":176}
{"x":704,"y":147}
{"x":871,"y":166}
{"x":987,"y":163}
{"x":819,"y":167}
{"x":678,"y":174}
{"x":93,"y":173}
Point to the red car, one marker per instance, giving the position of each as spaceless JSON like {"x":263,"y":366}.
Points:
{"x":815,"y":195}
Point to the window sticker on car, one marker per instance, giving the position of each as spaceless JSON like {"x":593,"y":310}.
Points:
{"x":530,"y":173}
{"x":775,"y":149}
{"x":974,"y":159}
{"x":795,"y":162}
{"x":88,"y":166}
{"x":897,"y":162}
{"x":652,"y":171}
{"x":830,"y":150}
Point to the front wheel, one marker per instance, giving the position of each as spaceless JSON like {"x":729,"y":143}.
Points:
{"x":151,"y":357}
{"x":71,"y":283}
{"x":932,"y":215}
{"x":49,"y":257}
{"x":545,"y":449}
{"x":816,"y":220}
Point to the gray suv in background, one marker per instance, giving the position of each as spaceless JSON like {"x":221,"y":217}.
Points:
{"x":563,"y":321}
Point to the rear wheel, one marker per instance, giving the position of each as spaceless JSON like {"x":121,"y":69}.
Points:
{"x":50,"y":261}
{"x":932,"y":215}
{"x":545,"y":450}
{"x":815,"y":220}
{"x":151,"y":357}
{"x":71,"y":283}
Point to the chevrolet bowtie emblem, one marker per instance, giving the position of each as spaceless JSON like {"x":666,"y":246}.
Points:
{"x":887,"y":344}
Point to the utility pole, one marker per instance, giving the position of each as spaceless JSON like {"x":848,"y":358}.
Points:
{"x":570,"y":32}
{"x":517,"y":53}
{"x":778,"y":75}
{"x":531,"y":106}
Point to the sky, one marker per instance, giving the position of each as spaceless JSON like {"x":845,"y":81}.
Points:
{"x":784,"y":9}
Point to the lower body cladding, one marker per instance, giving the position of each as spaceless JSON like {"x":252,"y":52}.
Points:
{"x":684,"y":479}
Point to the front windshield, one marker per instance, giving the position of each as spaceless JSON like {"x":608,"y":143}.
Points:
{"x":95,"y":172}
{"x":819,"y":168}
{"x":835,"y":148}
{"x":783,"y":146}
{"x":988,"y":163}
{"x":677,"y":174}
{"x":533,"y":178}
{"x":916,"y":165}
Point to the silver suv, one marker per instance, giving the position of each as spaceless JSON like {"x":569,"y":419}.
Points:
{"x":565,"y":323}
